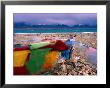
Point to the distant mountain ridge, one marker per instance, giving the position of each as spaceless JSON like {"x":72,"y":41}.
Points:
{"x":26,"y":25}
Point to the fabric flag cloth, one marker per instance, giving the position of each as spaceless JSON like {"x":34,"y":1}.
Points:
{"x":50,"y":59}
{"x":61,"y":46}
{"x":67,"y":53}
{"x":21,"y":48}
{"x":37,"y":59}
{"x":69,"y":43}
{"x":58,"y":46}
{"x":20,"y":57}
{"x":38,"y":45}
{"x":47,"y":46}
{"x":21,"y":70}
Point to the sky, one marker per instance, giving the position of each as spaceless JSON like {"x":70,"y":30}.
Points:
{"x":56,"y":18}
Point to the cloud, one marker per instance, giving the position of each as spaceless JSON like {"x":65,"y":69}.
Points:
{"x":60,"y":18}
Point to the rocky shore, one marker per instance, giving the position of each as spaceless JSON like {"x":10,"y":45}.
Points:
{"x":80,"y":66}
{"x":89,"y":39}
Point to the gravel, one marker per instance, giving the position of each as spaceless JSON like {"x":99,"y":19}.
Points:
{"x":82,"y":67}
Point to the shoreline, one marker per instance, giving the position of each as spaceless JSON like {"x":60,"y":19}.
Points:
{"x":86,"y":38}
{"x":55,"y":33}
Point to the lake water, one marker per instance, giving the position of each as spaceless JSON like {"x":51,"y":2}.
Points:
{"x":42,"y":30}
{"x":92,"y":55}
{"x":90,"y":52}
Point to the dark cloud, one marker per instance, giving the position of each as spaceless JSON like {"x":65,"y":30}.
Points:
{"x":56,"y":18}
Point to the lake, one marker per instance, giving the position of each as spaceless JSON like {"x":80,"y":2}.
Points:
{"x":90,"y":52}
{"x":53,"y":30}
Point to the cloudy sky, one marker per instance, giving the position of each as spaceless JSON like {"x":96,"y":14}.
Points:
{"x":56,"y":18}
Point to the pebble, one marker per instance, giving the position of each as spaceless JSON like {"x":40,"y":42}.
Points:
{"x":82,"y":68}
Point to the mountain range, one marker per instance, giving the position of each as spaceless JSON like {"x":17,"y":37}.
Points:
{"x":27,"y":25}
